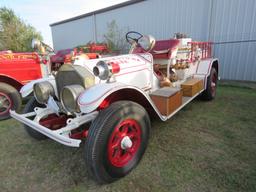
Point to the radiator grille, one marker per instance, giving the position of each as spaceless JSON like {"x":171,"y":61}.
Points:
{"x":73,"y":75}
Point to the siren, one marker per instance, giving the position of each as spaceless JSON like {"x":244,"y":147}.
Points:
{"x":105,"y":70}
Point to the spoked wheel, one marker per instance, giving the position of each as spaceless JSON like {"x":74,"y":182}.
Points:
{"x":116,"y":141}
{"x":9,"y":99}
{"x":212,"y":81}
{"x":5,"y":103}
{"x":124,"y":142}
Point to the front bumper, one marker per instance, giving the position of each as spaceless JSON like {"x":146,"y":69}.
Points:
{"x":60,"y":135}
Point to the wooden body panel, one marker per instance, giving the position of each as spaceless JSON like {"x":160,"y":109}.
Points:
{"x":167,"y":100}
{"x":192,"y":87}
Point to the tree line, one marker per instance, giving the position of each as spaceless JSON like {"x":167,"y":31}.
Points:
{"x":15,"y":34}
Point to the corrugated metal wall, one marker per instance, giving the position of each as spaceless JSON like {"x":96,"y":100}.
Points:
{"x":73,"y":33}
{"x":230,"y":23}
{"x":160,"y":18}
{"x":233,"y":25}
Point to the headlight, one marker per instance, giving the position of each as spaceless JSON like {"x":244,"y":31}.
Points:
{"x":69,"y":95}
{"x":35,"y":44}
{"x":42,"y":91}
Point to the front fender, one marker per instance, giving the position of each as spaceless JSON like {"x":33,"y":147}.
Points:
{"x":28,"y":88}
{"x":91,"y":98}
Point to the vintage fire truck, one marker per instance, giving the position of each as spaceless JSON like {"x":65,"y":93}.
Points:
{"x":107,"y":102}
{"x":16,"y":70}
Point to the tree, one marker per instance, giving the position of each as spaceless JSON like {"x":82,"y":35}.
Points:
{"x":115,"y":37}
{"x":15,"y":34}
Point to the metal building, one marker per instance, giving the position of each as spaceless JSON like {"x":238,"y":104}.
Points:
{"x":230,"y":24}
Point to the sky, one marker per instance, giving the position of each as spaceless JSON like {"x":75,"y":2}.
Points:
{"x":41,"y":13}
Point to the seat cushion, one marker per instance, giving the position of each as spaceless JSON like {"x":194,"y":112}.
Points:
{"x":163,"y":48}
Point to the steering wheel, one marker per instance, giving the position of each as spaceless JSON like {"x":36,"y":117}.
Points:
{"x":133,"y":36}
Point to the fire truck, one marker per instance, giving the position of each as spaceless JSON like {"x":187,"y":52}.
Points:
{"x":108,"y":102}
{"x":16,"y":70}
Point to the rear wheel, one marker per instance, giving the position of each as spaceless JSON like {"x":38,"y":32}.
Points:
{"x":30,"y":106}
{"x":10,"y":99}
{"x":116,"y":141}
{"x":212,"y":80}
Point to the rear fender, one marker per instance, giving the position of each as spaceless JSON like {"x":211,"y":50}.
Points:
{"x":204,"y":69}
{"x":28,"y":88}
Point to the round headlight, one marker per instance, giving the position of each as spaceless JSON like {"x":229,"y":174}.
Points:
{"x":69,"y":95}
{"x":42,"y":91}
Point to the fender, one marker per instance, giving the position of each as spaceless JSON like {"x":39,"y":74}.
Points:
{"x":11,"y":80}
{"x":204,"y":68}
{"x":28,"y":88}
{"x":88,"y":102}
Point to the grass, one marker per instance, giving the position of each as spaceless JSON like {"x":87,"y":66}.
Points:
{"x":208,"y":146}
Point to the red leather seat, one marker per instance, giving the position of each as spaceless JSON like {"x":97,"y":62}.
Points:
{"x":163,"y":48}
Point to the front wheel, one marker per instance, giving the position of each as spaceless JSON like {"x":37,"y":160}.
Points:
{"x":30,"y":106}
{"x":10,"y":99}
{"x":116,"y":141}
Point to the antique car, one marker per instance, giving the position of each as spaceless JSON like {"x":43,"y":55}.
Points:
{"x":58,"y":59}
{"x":92,"y":47}
{"x":108,"y":102}
{"x":16,"y":70}
{"x":93,"y":50}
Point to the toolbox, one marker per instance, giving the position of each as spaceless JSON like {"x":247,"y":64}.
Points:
{"x":167,"y":99}
{"x":191,"y":87}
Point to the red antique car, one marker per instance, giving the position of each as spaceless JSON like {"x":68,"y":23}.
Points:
{"x":59,"y":58}
{"x":17,"y":69}
{"x":92,"y":50}
{"x":62,"y":55}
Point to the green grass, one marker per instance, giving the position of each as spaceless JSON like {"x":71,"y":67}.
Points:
{"x":208,"y":146}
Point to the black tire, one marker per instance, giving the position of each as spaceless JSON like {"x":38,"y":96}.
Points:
{"x":103,"y":127}
{"x":212,"y":81}
{"x":10,"y":99}
{"x":32,"y":103}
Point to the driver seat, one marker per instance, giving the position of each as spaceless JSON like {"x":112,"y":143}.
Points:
{"x":163,"y":53}
{"x":163,"y":48}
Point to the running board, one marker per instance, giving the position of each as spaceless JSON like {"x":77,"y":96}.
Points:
{"x":185,"y":101}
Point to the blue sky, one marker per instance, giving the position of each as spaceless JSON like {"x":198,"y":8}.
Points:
{"x":41,"y":13}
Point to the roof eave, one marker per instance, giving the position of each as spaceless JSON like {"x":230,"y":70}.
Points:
{"x":126,"y":3}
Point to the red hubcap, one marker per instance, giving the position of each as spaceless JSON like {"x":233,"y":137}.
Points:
{"x":5,"y":103}
{"x":124,"y":142}
{"x":213,"y":84}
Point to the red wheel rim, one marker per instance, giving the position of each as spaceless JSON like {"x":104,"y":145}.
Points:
{"x":5,"y":103}
{"x":213,"y":84}
{"x":124,"y":142}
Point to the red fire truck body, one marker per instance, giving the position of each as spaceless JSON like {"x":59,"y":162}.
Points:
{"x":17,"y":69}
